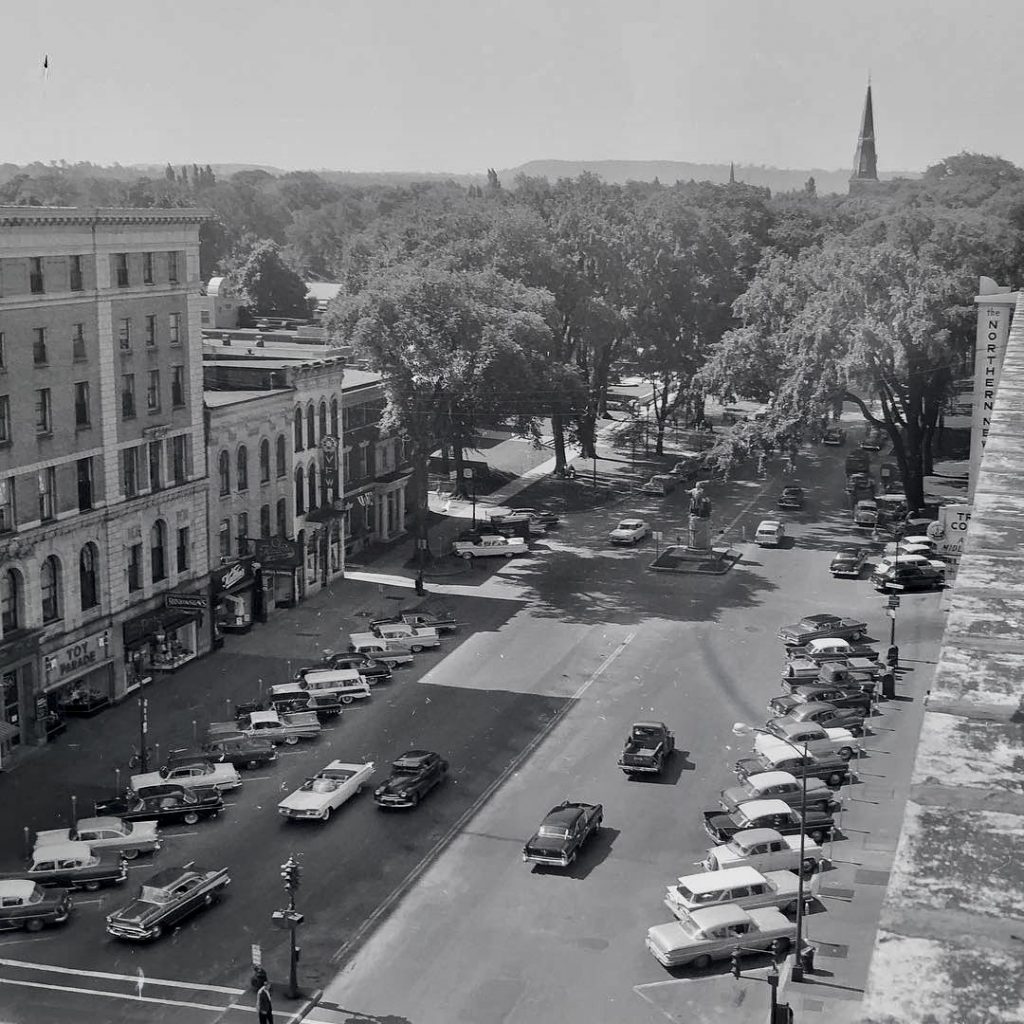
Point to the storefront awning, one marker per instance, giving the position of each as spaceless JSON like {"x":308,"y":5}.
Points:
{"x":145,"y":627}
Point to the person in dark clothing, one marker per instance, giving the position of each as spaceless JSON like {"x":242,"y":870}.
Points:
{"x":264,"y":1007}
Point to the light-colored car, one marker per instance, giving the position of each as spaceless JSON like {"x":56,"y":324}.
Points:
{"x":400,"y":635}
{"x":818,"y":739}
{"x":811,"y":668}
{"x":272,"y":726}
{"x":770,"y":533}
{"x":764,"y":849}
{"x":778,"y":786}
{"x":490,"y":546}
{"x":865,"y":513}
{"x":317,"y":797}
{"x":630,"y":531}
{"x":660,"y":483}
{"x":129,"y":838}
{"x":746,"y":887}
{"x":197,"y":775}
{"x":381,"y":651}
{"x":713,"y":934}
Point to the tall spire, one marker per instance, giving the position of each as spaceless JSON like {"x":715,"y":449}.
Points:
{"x":865,"y":161}
{"x":732,"y":174}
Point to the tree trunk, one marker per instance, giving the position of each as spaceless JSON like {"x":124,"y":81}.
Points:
{"x":588,"y":434}
{"x":445,"y":459}
{"x":927,"y":451}
{"x":421,"y":508}
{"x":558,"y":438}
{"x":913,"y":472}
{"x":459,"y":465}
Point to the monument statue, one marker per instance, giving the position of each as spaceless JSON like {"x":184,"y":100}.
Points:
{"x":700,"y":519}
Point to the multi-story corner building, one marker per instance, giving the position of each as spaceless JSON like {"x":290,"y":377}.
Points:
{"x":103,"y":559}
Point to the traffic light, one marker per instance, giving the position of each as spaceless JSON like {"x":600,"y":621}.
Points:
{"x":290,"y":874}
{"x":735,"y":962}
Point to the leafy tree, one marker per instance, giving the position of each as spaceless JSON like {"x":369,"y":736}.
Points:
{"x":270,"y":286}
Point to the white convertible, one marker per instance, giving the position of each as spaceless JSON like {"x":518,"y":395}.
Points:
{"x":326,"y":791}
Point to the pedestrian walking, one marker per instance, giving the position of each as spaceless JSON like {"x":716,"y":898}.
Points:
{"x":264,"y":1006}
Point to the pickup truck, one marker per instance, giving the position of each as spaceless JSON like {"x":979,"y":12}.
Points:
{"x":401,"y":635}
{"x":813,"y":627}
{"x":269,"y":725}
{"x":490,"y":546}
{"x":764,"y":849}
{"x":420,"y":620}
{"x":721,"y":826}
{"x":831,"y":648}
{"x":648,"y":746}
{"x":845,"y":671}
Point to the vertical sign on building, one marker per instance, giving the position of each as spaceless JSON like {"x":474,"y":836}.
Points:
{"x":994,"y":313}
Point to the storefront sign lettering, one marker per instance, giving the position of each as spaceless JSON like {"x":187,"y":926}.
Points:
{"x":278,"y":552}
{"x":71,"y":660}
{"x":193,"y":602}
{"x":231,"y":575}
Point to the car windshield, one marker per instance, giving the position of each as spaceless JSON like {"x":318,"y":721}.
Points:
{"x":404,"y":769}
{"x":629,"y":524}
{"x":553,"y":832}
{"x":153,"y":894}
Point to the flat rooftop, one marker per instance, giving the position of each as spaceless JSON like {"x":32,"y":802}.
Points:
{"x":216,"y":399}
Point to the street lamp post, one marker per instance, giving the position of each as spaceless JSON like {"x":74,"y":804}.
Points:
{"x":743,"y":729}
{"x":143,"y":726}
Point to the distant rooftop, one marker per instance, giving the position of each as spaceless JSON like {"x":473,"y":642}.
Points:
{"x":216,"y":399}
{"x":322,"y":291}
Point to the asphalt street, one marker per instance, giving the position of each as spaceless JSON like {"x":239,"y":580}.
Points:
{"x":431,"y":916}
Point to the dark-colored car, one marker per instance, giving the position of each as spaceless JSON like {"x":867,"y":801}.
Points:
{"x":813,"y":627}
{"x":24,"y":904}
{"x":545,"y":516}
{"x":848,"y":561}
{"x":834,"y":437}
{"x":442,"y":623}
{"x":828,"y":716}
{"x":831,"y":768}
{"x":241,"y":751}
{"x":370,"y":669}
{"x":412,"y":776}
{"x":909,"y":577}
{"x":872,"y":441}
{"x":563,"y":831}
{"x":164,"y":804}
{"x":857,"y":462}
{"x":325,"y":706}
{"x":72,"y":865}
{"x":776,"y":814}
{"x":165,"y":900}
{"x":860,"y":485}
{"x":791,"y":497}
{"x":648,"y":746}
{"x":841,"y":697}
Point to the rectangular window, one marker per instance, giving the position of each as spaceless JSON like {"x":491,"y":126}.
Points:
{"x":134,"y":568}
{"x":44,"y":412}
{"x":178,"y":387}
{"x":35,"y":275}
{"x":179,"y":458}
{"x":84,"y":485}
{"x":124,"y":333}
{"x":204,"y":317}
{"x":183,"y":548}
{"x":82,"y":404}
{"x":47,"y":493}
{"x":39,"y":346}
{"x":147,"y":268}
{"x":78,"y":342}
{"x":172,"y":267}
{"x":153,"y":391}
{"x":156,"y":465}
{"x":127,"y":396}
{"x":242,"y":533}
{"x":3,"y":352}
{"x":130,"y":471}
{"x":265,"y":521}
{"x":7,"y":505}
{"x":5,"y":419}
{"x":225,"y":538}
{"x":150,"y":331}
{"x":174,"y":328}
{"x":75,"y":267}
{"x":121,"y":269}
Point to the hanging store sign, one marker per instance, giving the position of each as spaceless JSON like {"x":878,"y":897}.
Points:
{"x":77,"y":658}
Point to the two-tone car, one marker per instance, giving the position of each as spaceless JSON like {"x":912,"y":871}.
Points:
{"x":443,"y":623}
{"x":166,"y":804}
{"x":198,"y":774}
{"x":865,"y":514}
{"x":799,"y":671}
{"x":779,"y":785}
{"x":764,"y":849}
{"x":903,"y":576}
{"x":413,"y":776}
{"x":165,"y":900}
{"x":26,"y":904}
{"x":840,"y":696}
{"x":714,"y":933}
{"x":72,"y":866}
{"x":241,"y":751}
{"x":128,"y":838}
{"x":326,"y":791}
{"x":721,"y":826}
{"x":562,"y":833}
{"x":827,"y":715}
{"x":818,"y":739}
{"x":369,"y":668}
{"x":812,"y":627}
{"x":746,"y":887}
{"x":832,"y":648}
{"x":774,"y":755}
{"x":848,"y":562}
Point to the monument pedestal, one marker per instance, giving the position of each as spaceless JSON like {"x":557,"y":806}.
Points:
{"x":700,"y":535}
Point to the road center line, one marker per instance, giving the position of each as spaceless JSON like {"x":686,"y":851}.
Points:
{"x":112,"y":995}
{"x":510,"y":769}
{"x":132,"y":978}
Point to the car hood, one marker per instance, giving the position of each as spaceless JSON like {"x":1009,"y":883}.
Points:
{"x":736,"y":795}
{"x":784,"y":704}
{"x":305,"y":801}
{"x":138,"y":914}
{"x":399,"y":784}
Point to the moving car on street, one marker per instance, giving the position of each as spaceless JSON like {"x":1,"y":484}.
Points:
{"x":772,"y":755}
{"x":865,"y":514}
{"x":812,"y":627}
{"x":546,"y":516}
{"x":770,"y":533}
{"x":713,"y":933}
{"x":834,"y":437}
{"x":860,"y":485}
{"x":721,"y":826}
{"x":873,"y":440}
{"x":317,"y":797}
{"x":165,"y":900}
{"x":746,"y":887}
{"x":827,"y":715}
{"x":792,"y":497}
{"x":848,"y":561}
{"x":413,"y":776}
{"x":841,"y":697}
{"x":491,"y":545}
{"x":778,"y":786}
{"x":766,"y":850}
{"x":128,"y":838}
{"x":630,"y":531}
{"x":660,"y":483}
{"x":25,"y":904}
{"x":648,"y":746}
{"x":72,"y":866}
{"x":562,"y":833}
{"x":902,"y":576}
{"x":164,"y":804}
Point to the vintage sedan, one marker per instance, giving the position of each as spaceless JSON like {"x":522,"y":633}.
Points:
{"x":746,"y":887}
{"x":827,"y":715}
{"x":826,"y":649}
{"x":764,"y":849}
{"x":834,"y":437}
{"x":72,"y":866}
{"x":369,"y":668}
{"x":840,"y":696}
{"x":562,"y":833}
{"x":799,"y":671}
{"x":909,"y":577}
{"x":165,"y":900}
{"x":547,"y":516}
{"x":198,"y":774}
{"x":777,"y":814}
{"x":164,"y":804}
{"x":848,"y":561}
{"x":630,"y":531}
{"x":714,"y":932}
{"x":25,"y":904}
{"x":773,"y":755}
{"x":778,"y":786}
{"x":239,"y":750}
{"x":865,"y":514}
{"x":792,"y":497}
{"x":811,"y":627}
{"x":412,"y":776}
{"x":317,"y":797}
{"x":129,"y":838}
{"x":816,"y":738}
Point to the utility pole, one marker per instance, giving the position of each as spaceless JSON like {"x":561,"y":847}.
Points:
{"x":143,"y":726}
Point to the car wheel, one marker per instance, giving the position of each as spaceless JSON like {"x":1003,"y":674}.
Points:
{"x":190,"y":818}
{"x":508,"y":554}
{"x":702,"y":963}
{"x":91,"y":886}
{"x":836,"y":779}
{"x":467,"y":557}
{"x":34,"y":924}
{"x":291,"y":740}
{"x":327,"y":813}
{"x":415,"y":648}
{"x":846,"y":753}
{"x":130,"y":854}
{"x":347,"y":698}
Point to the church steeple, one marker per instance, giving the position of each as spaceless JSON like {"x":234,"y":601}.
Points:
{"x":865,"y":161}
{"x":732,"y":174}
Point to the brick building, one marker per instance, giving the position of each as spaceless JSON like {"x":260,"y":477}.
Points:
{"x":103,"y":560}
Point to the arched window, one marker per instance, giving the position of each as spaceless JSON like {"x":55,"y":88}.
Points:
{"x":11,"y":592}
{"x":334,"y":417}
{"x":264,"y":461}
{"x":282,"y":517}
{"x":224,"y":468}
{"x":298,"y":430}
{"x":157,"y":551}
{"x":310,"y":426}
{"x":242,"y":471}
{"x":282,"y":462}
{"x":323,"y":420}
{"x":300,"y":492}
{"x":313,"y":503}
{"x":88,"y":572}
{"x":49,"y":589}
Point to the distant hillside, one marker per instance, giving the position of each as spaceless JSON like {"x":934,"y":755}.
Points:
{"x":668,"y":172}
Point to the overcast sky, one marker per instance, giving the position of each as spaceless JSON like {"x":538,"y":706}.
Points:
{"x":462,"y":85}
